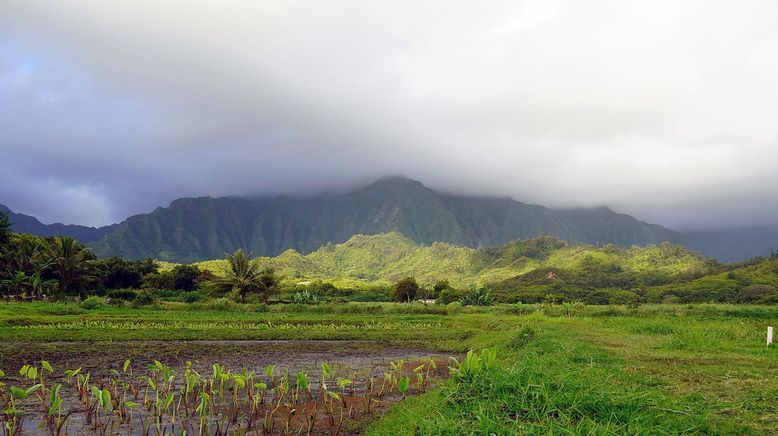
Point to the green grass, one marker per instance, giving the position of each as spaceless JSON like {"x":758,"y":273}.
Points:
{"x":653,"y":369}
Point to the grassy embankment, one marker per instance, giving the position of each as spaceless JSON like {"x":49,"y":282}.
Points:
{"x":652,"y":369}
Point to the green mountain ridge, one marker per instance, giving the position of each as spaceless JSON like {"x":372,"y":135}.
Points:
{"x":192,"y":229}
{"x":384,"y":259}
{"x":202,"y":228}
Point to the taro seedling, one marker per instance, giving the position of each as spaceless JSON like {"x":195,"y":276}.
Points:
{"x":166,"y":404}
{"x":403,"y":384}
{"x":55,"y":420}
{"x":473,"y":364}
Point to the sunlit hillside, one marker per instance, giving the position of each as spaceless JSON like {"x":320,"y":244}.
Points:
{"x":384,"y":259}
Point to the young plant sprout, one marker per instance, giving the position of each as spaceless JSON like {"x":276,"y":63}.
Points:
{"x":221,"y":402}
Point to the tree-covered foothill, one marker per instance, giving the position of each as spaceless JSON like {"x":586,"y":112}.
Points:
{"x":390,"y":267}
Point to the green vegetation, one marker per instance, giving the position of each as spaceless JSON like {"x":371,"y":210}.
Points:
{"x":375,"y":268}
{"x":193,"y":401}
{"x":386,"y":259}
{"x":196,"y":229}
{"x":529,"y":271}
{"x":556,"y":338}
{"x":244,"y":277}
{"x":606,"y":369}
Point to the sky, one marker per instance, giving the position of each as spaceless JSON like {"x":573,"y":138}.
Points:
{"x":665,"y":110}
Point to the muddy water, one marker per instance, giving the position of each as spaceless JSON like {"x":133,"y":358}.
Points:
{"x":351,"y":359}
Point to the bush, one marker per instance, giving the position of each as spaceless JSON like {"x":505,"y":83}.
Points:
{"x":185,"y":277}
{"x":191,"y":297}
{"x":448,"y":296}
{"x":121,"y":294}
{"x":756,"y":294}
{"x":159,"y":280}
{"x":305,"y":297}
{"x":520,"y":309}
{"x":93,"y":303}
{"x":628,"y":298}
{"x":372,"y":296}
{"x":477,"y":297}
{"x":144,"y":298}
{"x":222,"y":303}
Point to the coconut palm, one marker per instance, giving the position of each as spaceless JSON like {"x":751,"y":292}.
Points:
{"x":16,"y":285}
{"x":30,"y":254}
{"x":245,"y":277}
{"x":73,"y":265}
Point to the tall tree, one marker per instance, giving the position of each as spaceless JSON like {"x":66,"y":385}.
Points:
{"x":72,"y":264}
{"x":245,"y":277}
{"x":5,"y":228}
{"x":405,"y":290}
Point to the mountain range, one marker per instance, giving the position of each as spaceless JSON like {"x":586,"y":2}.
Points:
{"x":195,"y":229}
{"x":29,"y":224}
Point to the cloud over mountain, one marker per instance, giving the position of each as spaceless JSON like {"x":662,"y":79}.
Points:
{"x":664,"y":110}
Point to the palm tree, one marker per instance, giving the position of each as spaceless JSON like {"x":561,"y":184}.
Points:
{"x":40,"y":286}
{"x":31,"y":255}
{"x":72,"y":264}
{"x":245,"y":276}
{"x":16,"y":285}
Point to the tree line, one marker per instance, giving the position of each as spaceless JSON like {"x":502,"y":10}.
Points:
{"x":33,"y":268}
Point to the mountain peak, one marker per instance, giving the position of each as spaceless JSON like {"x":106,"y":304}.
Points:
{"x":395,"y":183}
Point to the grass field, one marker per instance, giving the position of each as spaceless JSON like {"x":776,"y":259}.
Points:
{"x":605,"y":369}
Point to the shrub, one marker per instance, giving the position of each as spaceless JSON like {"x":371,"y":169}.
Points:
{"x":222,"y":303}
{"x":520,"y":309}
{"x":373,"y":296}
{"x":92,"y":303}
{"x":628,"y":298}
{"x":477,"y":297}
{"x":448,"y":296}
{"x":159,"y":280}
{"x":144,"y":297}
{"x":305,"y":297}
{"x":191,"y":297}
{"x":185,"y":277}
{"x":756,"y":294}
{"x":121,"y":294}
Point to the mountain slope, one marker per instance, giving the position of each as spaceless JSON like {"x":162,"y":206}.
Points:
{"x":28,"y":224}
{"x":387,"y":258}
{"x":205,"y":228}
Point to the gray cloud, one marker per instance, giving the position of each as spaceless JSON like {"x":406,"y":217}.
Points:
{"x":661,"y":109}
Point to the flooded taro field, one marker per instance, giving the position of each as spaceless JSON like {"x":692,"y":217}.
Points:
{"x":207,"y":387}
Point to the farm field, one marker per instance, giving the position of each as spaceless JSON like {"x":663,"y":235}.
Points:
{"x":601,"y":369}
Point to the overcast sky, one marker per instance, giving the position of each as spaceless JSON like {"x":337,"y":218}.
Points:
{"x":667,"y":110}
